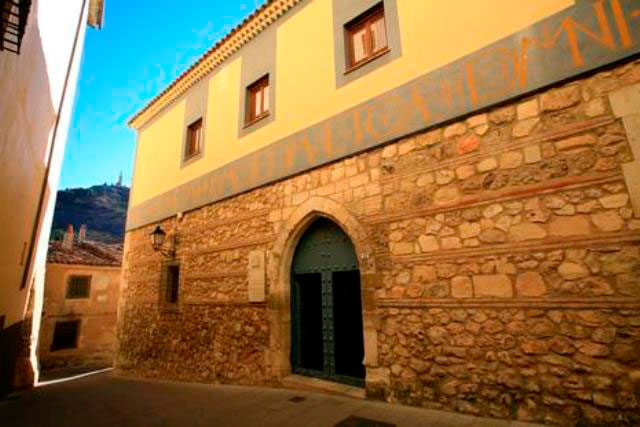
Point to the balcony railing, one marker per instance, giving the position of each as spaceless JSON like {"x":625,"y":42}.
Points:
{"x":13,"y":22}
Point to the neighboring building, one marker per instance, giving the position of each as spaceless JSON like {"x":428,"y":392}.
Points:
{"x":81,"y":291}
{"x":437,"y":202}
{"x":40,"y":51}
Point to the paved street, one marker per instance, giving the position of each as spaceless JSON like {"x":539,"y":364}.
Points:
{"x":106,"y":400}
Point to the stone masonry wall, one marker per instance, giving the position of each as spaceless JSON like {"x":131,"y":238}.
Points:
{"x":214,"y":334}
{"x":507,"y":258}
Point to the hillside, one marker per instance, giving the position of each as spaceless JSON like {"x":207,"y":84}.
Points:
{"x":102,"y":207}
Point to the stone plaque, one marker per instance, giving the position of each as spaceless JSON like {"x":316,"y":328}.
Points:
{"x":256,"y":276}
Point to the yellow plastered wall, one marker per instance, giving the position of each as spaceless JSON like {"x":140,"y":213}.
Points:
{"x":98,"y":312}
{"x":433,"y":34}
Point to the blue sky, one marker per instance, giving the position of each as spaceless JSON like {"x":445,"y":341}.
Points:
{"x":142,"y":48}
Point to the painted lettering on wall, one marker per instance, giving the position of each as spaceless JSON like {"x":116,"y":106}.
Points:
{"x":591,"y":34}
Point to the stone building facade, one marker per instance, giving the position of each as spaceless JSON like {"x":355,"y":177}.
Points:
{"x":498,"y":255}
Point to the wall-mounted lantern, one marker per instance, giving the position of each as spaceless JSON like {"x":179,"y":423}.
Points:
{"x":157,"y":242}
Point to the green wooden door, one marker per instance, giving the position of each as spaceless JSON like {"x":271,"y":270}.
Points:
{"x":326,"y":308}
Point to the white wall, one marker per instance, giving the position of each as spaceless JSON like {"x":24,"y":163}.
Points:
{"x":32,"y":86}
{"x":57,"y":70}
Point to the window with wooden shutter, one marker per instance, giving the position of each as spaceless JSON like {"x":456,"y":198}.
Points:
{"x":258,"y":99}
{"x":194,"y":139}
{"x":366,"y":37}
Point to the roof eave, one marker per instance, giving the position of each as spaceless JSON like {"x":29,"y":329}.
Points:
{"x":249,"y":28}
{"x":95,"y":17}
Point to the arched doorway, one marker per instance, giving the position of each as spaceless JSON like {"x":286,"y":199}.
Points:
{"x":326,"y":307}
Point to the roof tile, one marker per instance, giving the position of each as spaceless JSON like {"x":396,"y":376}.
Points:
{"x":85,"y":253}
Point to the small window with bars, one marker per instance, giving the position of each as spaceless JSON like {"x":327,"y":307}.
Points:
{"x":258,"y":99}
{"x":79,"y":287}
{"x":13,"y":23}
{"x":65,"y":335}
{"x":171,"y":283}
{"x":193,"y":147}
{"x":366,"y":37}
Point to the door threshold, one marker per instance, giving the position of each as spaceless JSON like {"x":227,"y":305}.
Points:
{"x":299,"y":382}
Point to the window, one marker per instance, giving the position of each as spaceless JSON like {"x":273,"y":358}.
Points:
{"x":65,"y":335}
{"x":258,"y":98}
{"x":194,"y":139}
{"x":172,"y":283}
{"x":366,"y":37}
{"x":79,"y":287}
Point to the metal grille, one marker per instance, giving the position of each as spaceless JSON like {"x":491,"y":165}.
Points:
{"x":79,"y":287}
{"x":14,"y":14}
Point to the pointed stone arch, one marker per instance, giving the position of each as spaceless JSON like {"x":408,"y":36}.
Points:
{"x":279,"y":268}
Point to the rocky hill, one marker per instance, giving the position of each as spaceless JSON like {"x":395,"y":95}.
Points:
{"x":103,"y":208}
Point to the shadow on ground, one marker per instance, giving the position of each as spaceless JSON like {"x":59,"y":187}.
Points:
{"x":107,"y":400}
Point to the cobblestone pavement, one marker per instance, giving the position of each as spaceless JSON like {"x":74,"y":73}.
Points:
{"x":106,"y":400}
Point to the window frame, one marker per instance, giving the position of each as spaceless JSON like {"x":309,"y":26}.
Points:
{"x":72,"y":293}
{"x":169,"y":294}
{"x":262,"y":85}
{"x":365,"y":20}
{"x":346,"y":12}
{"x":56,"y":327}
{"x":186,"y":156}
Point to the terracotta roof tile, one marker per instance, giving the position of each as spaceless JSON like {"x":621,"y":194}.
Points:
{"x":85,"y":253}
